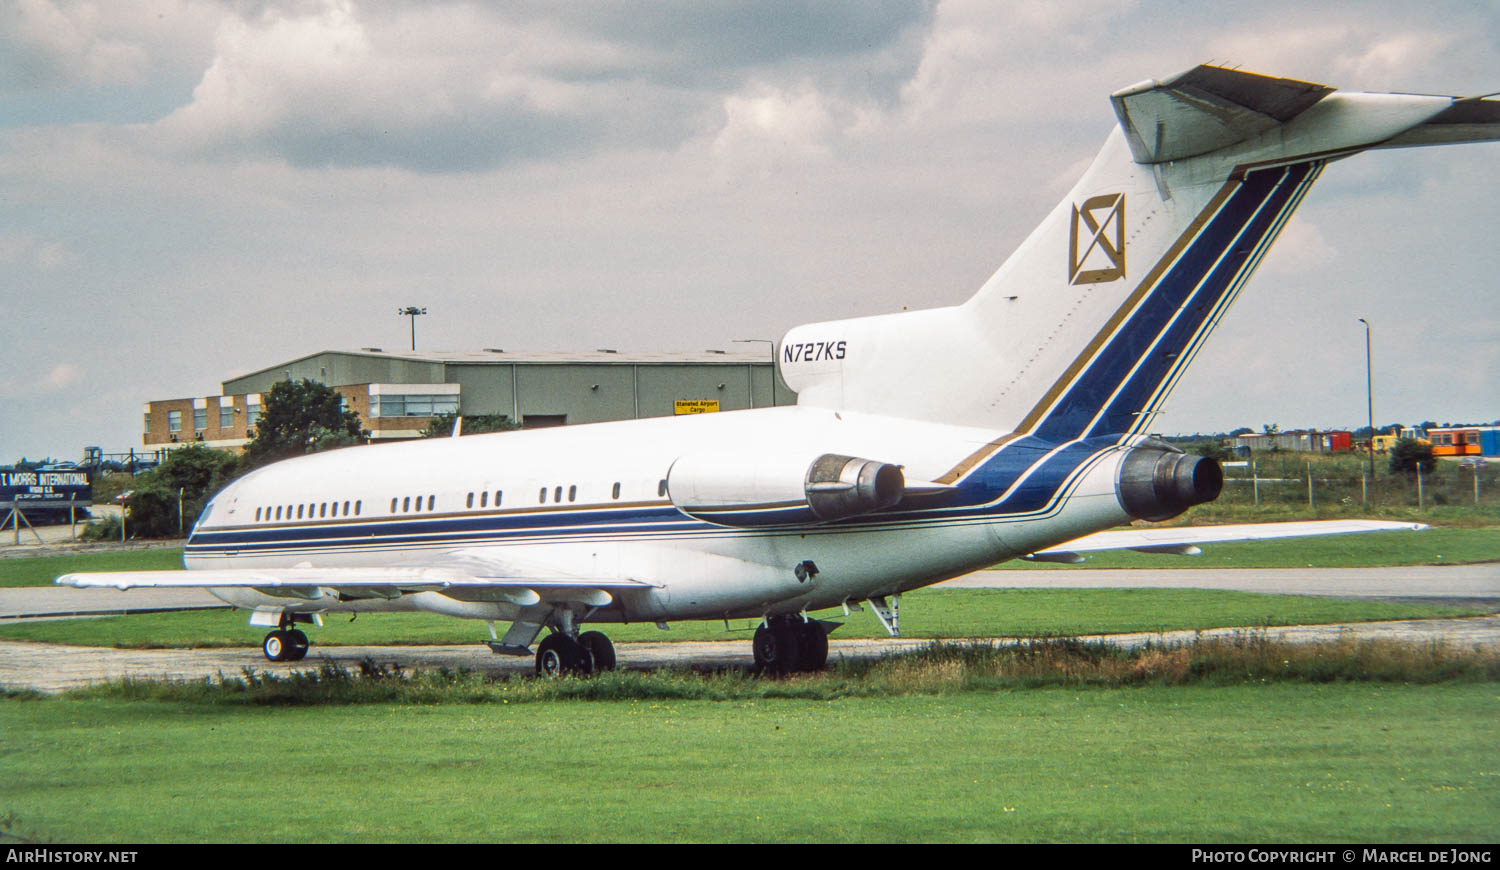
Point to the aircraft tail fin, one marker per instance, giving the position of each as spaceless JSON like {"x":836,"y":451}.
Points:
{"x":1085,"y":328}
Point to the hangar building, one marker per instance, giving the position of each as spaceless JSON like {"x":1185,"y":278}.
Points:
{"x":397,"y":394}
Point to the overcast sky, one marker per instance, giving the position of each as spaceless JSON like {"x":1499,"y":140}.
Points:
{"x":192,"y":190}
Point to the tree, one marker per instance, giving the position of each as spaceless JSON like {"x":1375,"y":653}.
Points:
{"x":477,"y":424}
{"x":1212,"y":450}
{"x":301,"y":417}
{"x":191,"y":475}
{"x":1409,"y":454}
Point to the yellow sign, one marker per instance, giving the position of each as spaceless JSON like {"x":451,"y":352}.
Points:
{"x":695,"y":406}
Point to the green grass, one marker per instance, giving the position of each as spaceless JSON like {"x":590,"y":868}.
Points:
{"x":1434,"y":546}
{"x":951,"y":613}
{"x":1275,"y":763}
{"x":42,"y":570}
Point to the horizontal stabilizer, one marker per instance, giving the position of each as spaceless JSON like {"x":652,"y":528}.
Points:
{"x":1473,"y":119}
{"x":1207,"y":108}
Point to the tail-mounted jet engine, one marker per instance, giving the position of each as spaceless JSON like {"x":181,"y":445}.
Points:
{"x":778,"y":491}
{"x":1158,"y":481}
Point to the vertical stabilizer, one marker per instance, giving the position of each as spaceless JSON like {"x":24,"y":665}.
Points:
{"x":1085,"y":328}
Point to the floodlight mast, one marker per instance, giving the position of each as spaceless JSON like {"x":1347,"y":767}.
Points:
{"x":1369,"y":396}
{"x":412,"y":311}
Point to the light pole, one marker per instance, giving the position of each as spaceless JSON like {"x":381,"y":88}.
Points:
{"x":412,"y":311}
{"x":773,"y":366}
{"x":1369,"y":396}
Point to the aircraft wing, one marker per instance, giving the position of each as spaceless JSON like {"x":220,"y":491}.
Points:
{"x":462,"y":574}
{"x":1184,"y":540}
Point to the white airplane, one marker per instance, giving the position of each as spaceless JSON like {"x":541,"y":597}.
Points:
{"x":924,"y":444}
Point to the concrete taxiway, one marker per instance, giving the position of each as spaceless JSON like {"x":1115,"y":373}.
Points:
{"x":52,"y":668}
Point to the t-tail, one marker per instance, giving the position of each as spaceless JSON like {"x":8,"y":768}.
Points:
{"x":1086,"y":327}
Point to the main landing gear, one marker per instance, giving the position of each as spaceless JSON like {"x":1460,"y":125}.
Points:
{"x":789,"y":644}
{"x":561,"y":654}
{"x":286,"y":644}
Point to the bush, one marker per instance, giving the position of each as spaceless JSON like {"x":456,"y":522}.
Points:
{"x":107,"y":529}
{"x":1409,"y":454}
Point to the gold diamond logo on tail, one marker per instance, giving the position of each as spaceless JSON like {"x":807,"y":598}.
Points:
{"x":1097,"y":240}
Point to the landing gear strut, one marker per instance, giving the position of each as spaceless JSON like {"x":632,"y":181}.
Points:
{"x":560,"y":654}
{"x":789,"y":644}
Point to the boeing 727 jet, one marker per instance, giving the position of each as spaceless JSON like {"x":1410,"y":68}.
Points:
{"x":924,"y":444}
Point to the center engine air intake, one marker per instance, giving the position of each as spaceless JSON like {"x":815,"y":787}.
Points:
{"x":780,"y":491}
{"x":1158,"y":481}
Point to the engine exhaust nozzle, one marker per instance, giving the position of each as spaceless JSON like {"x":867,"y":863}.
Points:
{"x":1159,"y":482}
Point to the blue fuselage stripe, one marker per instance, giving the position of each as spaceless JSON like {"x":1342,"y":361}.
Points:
{"x":1032,"y":472}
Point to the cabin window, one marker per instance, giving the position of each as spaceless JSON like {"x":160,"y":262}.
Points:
{"x":299,"y":511}
{"x":541,"y":497}
{"x":431,"y":500}
{"x":257,"y":515}
{"x":661,"y":488}
{"x":616,"y":493}
{"x":471,"y":500}
{"x":393,"y":505}
{"x":419,"y":504}
{"x":323,"y":510}
{"x":406,"y":505}
{"x":557,"y":495}
{"x":346,"y":509}
{"x":572,"y":493}
{"x":356,"y":508}
{"x":278,"y":512}
{"x":484,"y":499}
{"x":498,"y":493}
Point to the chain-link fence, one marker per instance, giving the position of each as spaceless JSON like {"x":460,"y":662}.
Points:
{"x":1319,"y":482}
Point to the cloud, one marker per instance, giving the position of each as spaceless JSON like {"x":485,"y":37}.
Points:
{"x":58,"y":44}
{"x":25,"y":249}
{"x":457,"y":87}
{"x":61,"y":376}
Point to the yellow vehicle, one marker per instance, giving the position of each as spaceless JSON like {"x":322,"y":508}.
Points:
{"x":1383,"y":443}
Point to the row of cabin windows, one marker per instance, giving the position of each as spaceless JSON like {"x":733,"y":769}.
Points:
{"x":541,"y":495}
{"x":484,"y":498}
{"x":316,"y":510}
{"x":407,"y":504}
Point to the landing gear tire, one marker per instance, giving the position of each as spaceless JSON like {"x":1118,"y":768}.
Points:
{"x":600,"y":649}
{"x":814,"y":645}
{"x":285,"y":645}
{"x":777,"y":647}
{"x":276,"y":646}
{"x":559,"y":655}
{"x":296,"y":645}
